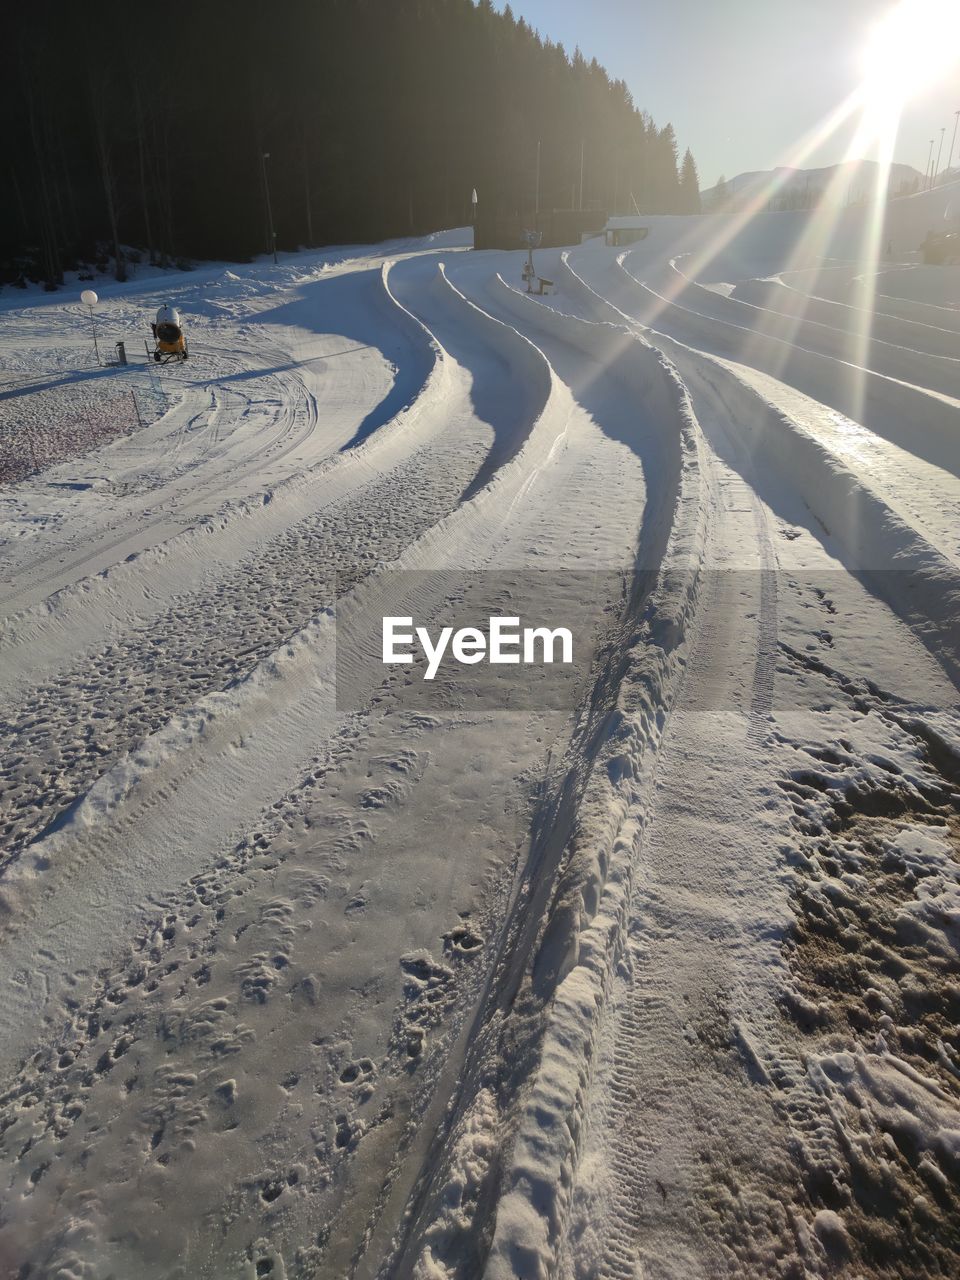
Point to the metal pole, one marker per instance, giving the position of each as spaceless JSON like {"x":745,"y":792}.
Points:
{"x":926,"y":176}
{"x":306,"y":187}
{"x":264,"y":157}
{"x":93,"y":326}
{"x":953,"y":141}
{"x":266,"y":197}
{"x":537,"y":206}
{"x":939,"y":153}
{"x":581,"y":175}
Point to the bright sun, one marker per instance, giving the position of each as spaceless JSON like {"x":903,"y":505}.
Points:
{"x":912,"y":47}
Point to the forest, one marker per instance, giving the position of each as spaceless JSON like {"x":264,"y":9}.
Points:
{"x":198,"y":130}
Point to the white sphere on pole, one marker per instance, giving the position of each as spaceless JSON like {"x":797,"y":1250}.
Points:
{"x":89,"y":298}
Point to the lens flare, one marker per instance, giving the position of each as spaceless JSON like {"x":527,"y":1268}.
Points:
{"x":915,"y":44}
{"x":912,"y":47}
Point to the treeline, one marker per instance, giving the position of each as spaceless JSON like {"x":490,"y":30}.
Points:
{"x":807,"y":197}
{"x":148,"y":125}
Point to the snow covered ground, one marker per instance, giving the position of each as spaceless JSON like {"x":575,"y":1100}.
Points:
{"x":649,"y":973}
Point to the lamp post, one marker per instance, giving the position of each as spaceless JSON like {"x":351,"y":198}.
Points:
{"x":264,"y":157}
{"x":89,"y":300}
{"x":473,"y":214}
{"x":537,"y":201}
{"x":927,"y":177}
{"x":953,"y":140}
{"x":939,"y":154}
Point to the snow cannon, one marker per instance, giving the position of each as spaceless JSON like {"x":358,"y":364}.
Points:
{"x":169,"y":342}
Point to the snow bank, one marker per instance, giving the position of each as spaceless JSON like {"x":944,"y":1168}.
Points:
{"x":774,"y":295}
{"x":913,"y":577}
{"x":145,"y":580}
{"x":584,"y":935}
{"x":899,"y":564}
{"x":922,"y":422}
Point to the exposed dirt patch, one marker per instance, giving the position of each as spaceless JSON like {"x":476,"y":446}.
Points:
{"x":875,"y":1001}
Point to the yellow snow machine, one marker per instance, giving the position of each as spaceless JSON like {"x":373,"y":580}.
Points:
{"x":169,"y":342}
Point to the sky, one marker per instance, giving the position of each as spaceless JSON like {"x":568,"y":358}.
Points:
{"x":743,"y":80}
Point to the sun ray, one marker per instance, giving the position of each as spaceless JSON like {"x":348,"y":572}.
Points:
{"x":900,"y":58}
{"x":703,"y":254}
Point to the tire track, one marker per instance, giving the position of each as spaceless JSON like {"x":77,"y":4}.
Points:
{"x":785,"y":300}
{"x":730,"y":685}
{"x":537,"y":937}
{"x":176,"y":487}
{"x":881,"y":403}
{"x":939,"y":373}
{"x":67,"y":732}
{"x":187,"y":961}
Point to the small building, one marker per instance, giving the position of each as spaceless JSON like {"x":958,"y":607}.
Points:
{"x":625,"y":229}
{"x":558,"y":227}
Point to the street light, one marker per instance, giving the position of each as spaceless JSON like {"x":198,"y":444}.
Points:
{"x":90,"y":300}
{"x":264,"y":157}
{"x":953,"y":141}
{"x":928,"y":176}
{"x":939,"y":152}
{"x":537,"y":204}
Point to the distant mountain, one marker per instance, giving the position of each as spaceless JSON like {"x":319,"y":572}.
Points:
{"x":847,"y":183}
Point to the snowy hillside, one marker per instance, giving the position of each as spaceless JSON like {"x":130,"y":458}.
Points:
{"x":648,"y":968}
{"x":853,"y":180}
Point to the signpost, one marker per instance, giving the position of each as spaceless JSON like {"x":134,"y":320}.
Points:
{"x":272,"y":235}
{"x":531,"y":239}
{"x":90,"y":300}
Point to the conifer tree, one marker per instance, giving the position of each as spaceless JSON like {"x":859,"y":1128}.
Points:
{"x":666,"y":180}
{"x":379,"y":116}
{"x":689,"y":184}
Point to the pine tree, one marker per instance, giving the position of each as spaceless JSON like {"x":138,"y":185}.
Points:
{"x":689,"y":185}
{"x":379,"y":116}
{"x":666,"y":193}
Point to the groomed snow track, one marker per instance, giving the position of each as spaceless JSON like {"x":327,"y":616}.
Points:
{"x":301,"y":982}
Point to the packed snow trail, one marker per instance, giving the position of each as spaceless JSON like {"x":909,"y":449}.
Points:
{"x":892,"y":288}
{"x":641,"y":1177}
{"x":556,"y":482}
{"x":903,"y":412}
{"x":249,"y":410}
{"x":856,"y":345}
{"x":307,"y":974}
{"x":677,"y":1008}
{"x":925,"y":336}
{"x":201,"y":643}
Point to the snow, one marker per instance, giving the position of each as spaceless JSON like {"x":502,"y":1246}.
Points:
{"x":854,"y":179}
{"x":312,"y":968}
